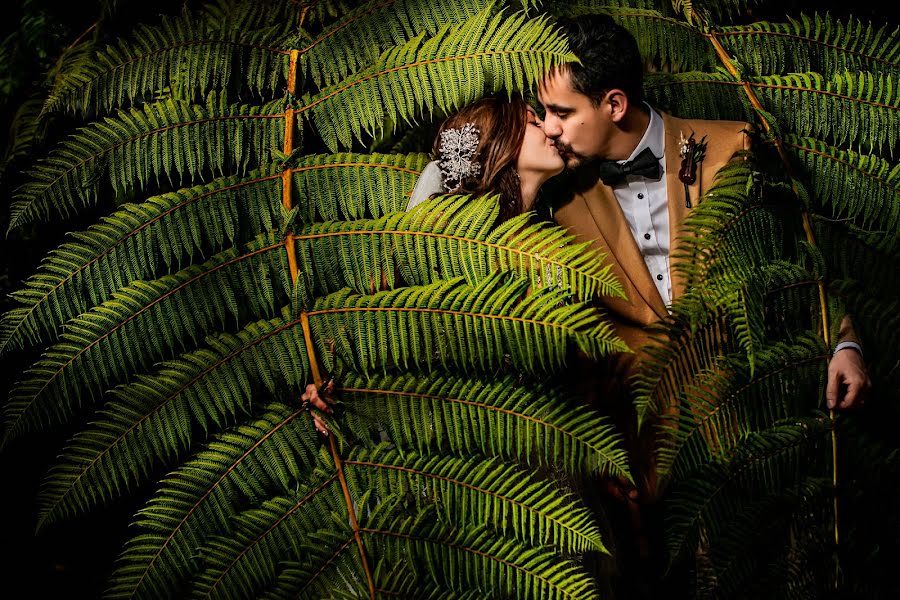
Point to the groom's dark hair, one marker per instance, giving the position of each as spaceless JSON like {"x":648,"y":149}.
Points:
{"x":609,"y":57}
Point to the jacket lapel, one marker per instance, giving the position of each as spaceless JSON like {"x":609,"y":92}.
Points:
{"x":613,"y":227}
{"x":678,"y":210}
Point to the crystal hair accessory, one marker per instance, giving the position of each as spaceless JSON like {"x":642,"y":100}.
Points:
{"x":457,"y":148}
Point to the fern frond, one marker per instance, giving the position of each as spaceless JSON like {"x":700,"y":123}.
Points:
{"x":482,"y":561}
{"x":182,"y":54}
{"x":141,"y":144}
{"x":850,"y":185}
{"x":459,"y":240}
{"x":198,"y":500}
{"x":155,"y":420}
{"x":480,"y":491}
{"x":763,"y":463}
{"x":361,"y":35}
{"x":131,"y":243}
{"x":698,"y":95}
{"x":460,"y":416}
{"x":26,"y":132}
{"x":347,"y":186}
{"x":453,"y":324}
{"x":814,"y":43}
{"x":279,"y":529}
{"x":101,"y":346}
{"x":726,"y":404}
{"x":861,"y":109}
{"x":489,"y":52}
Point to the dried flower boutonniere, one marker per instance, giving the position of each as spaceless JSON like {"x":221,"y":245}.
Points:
{"x":692,"y":153}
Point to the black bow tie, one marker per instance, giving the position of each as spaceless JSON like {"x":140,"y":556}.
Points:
{"x":643,"y":165}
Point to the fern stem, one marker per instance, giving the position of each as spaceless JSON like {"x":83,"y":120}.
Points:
{"x":344,"y":24}
{"x":286,"y":175}
{"x":339,"y":467}
{"x":810,"y":237}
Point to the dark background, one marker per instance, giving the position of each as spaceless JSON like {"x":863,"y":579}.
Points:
{"x":72,"y":559}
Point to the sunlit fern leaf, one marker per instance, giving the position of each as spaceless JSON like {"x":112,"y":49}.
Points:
{"x":849,"y":185}
{"x":135,"y":242}
{"x":447,"y":237}
{"x":725,"y":404}
{"x":143,"y":144}
{"x":254,"y":460}
{"x":477,"y":491}
{"x":360,"y":35}
{"x":762,"y":464}
{"x":346,"y":186}
{"x":183,"y":54}
{"x":452,"y":324}
{"x":698,"y":95}
{"x":484,"y":562}
{"x":158,"y":417}
{"x":809,"y":104}
{"x":443,"y":72}
{"x":462,"y":415}
{"x":817,"y":43}
{"x":142,"y":323}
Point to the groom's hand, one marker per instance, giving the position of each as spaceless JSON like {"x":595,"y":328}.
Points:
{"x":848,"y":380}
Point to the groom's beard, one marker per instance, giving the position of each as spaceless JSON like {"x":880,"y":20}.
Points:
{"x":573,"y":159}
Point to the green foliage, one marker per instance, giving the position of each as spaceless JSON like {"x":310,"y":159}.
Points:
{"x":174,"y":338}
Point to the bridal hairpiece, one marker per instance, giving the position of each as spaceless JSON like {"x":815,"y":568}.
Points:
{"x":457,"y":148}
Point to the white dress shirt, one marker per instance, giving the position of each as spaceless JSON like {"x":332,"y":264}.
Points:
{"x":645,"y":205}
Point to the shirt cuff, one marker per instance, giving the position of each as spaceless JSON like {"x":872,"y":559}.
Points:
{"x":844,"y":345}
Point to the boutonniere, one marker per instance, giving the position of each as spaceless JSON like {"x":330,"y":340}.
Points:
{"x":692,"y":153}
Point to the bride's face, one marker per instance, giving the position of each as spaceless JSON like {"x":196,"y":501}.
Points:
{"x":538,"y":154}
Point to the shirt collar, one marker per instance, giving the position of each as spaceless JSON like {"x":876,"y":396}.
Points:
{"x":653,"y":136}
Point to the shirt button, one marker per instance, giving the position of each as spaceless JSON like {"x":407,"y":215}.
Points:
{"x":640,"y":196}
{"x":659,"y":277}
{"x":646,"y":236}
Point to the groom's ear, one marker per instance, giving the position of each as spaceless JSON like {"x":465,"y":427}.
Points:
{"x":616,"y":102}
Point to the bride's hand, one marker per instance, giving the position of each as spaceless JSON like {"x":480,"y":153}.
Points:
{"x":311,"y":397}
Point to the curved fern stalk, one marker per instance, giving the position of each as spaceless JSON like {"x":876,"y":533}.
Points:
{"x":818,"y":107}
{"x":443,"y":72}
{"x":419,"y":249}
{"x":852,"y":185}
{"x":268,"y":455}
{"x":155,"y":419}
{"x":450,"y":323}
{"x":725,"y":404}
{"x":814,"y":43}
{"x":359,"y":37}
{"x":164,"y":314}
{"x":764,"y":464}
{"x":188,"y":56}
{"x":132,"y":243}
{"x":139,"y":144}
{"x":459,"y":416}
{"x":478,"y":491}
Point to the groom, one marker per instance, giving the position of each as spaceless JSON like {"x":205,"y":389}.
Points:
{"x":634,"y":211}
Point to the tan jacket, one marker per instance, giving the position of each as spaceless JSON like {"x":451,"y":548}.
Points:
{"x":596,"y":215}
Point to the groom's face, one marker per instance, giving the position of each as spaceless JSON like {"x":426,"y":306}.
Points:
{"x":575,"y":123}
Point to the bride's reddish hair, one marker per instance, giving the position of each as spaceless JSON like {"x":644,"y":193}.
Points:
{"x":501,"y":124}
